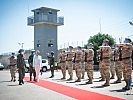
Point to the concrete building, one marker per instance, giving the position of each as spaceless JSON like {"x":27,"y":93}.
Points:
{"x":45,"y":22}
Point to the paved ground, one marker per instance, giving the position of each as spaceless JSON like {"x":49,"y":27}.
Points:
{"x":28,"y":91}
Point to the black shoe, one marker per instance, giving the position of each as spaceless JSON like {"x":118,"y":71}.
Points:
{"x":51,"y":76}
{"x":102,"y":80}
{"x":126,"y":88}
{"x":22,"y":82}
{"x":14,"y":80}
{"x":89,"y":82}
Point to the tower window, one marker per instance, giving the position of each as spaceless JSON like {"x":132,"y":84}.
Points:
{"x":50,"y":44}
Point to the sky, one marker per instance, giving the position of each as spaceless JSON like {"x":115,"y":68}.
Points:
{"x":82,"y":19}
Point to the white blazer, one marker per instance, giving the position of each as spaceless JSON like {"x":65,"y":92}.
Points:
{"x":37,"y":61}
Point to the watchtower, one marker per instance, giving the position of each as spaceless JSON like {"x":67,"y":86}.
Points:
{"x":45,"y":22}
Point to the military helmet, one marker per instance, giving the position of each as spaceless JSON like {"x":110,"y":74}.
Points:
{"x":21,"y":50}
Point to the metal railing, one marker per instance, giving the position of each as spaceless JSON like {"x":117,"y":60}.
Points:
{"x":45,"y":19}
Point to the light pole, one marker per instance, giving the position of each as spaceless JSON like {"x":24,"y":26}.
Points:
{"x":21,"y":44}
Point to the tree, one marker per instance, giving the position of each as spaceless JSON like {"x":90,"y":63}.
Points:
{"x":97,"y":41}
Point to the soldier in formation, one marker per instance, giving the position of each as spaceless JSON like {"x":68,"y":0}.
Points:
{"x":62,"y":62}
{"x":127,"y":49}
{"x":77,"y":60}
{"x":89,"y":55}
{"x":105,"y":61}
{"x":69,"y":63}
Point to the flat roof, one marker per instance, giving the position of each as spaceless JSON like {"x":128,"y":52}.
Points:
{"x":41,"y":8}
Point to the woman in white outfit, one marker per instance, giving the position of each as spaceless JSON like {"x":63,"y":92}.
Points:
{"x":37,"y":64}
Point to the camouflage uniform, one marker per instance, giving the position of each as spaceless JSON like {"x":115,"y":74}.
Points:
{"x":89,"y":55}
{"x":105,"y":63}
{"x":112,"y":67}
{"x":83,"y":64}
{"x":100,"y":64}
{"x":78,"y":59}
{"x":13,"y":68}
{"x":118,"y":64}
{"x":127,"y":64}
{"x":69,"y":64}
{"x":62,"y":62}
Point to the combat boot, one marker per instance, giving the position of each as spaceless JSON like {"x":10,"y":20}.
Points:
{"x":128,"y":85}
{"x":112,"y":77}
{"x":12,"y":79}
{"x":82,"y":77}
{"x":63,"y":78}
{"x":106,"y":84}
{"x":52,"y":75}
{"x":69,"y":79}
{"x":102,"y":79}
{"x":118,"y":80}
{"x":78,"y":80}
{"x":89,"y":82}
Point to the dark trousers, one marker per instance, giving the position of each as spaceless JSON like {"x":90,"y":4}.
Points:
{"x":52,"y":69}
{"x":21,"y":72}
{"x":32,"y":71}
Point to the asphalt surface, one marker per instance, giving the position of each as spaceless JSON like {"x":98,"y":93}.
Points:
{"x":29,"y":91}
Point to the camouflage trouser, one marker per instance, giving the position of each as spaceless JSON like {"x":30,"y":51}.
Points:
{"x":118,"y":69}
{"x":63,"y":69}
{"x":112,"y":68}
{"x":101,"y":70}
{"x":83,"y":69}
{"x":70,"y":68}
{"x":127,"y":68}
{"x":89,"y":70}
{"x":13,"y":71}
{"x":106,"y":69}
{"x":78,"y":69}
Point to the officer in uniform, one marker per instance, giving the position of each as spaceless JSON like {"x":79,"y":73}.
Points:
{"x":13,"y":67}
{"x":69,"y":63}
{"x":51,"y":62}
{"x":89,"y":55}
{"x":77,"y":60}
{"x":127,"y":63}
{"x":118,"y":64}
{"x":21,"y":66}
{"x":105,"y":61}
{"x":32,"y":70}
{"x":62,"y":62}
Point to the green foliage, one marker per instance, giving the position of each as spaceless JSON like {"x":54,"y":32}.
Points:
{"x":97,"y":40}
